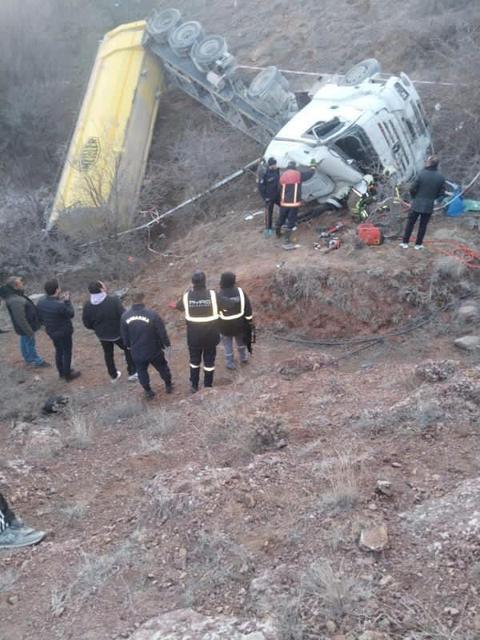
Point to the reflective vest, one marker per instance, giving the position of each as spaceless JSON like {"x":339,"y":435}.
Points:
{"x":213,"y":312}
{"x":291,"y":188}
{"x":241,"y":313}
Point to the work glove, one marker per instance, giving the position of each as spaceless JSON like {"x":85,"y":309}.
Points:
{"x":168,"y":353}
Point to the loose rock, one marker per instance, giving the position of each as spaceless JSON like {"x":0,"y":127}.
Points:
{"x":374,"y":539}
{"x":468,"y":343}
{"x":187,"y":623}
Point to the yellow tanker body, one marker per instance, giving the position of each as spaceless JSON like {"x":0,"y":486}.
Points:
{"x":105,"y":165}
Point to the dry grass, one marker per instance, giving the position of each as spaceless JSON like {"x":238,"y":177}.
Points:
{"x":7,"y":580}
{"x":342,"y":476}
{"x":92,"y":574}
{"x":121,"y":411}
{"x":80,"y":429}
{"x":215,"y":562}
{"x":288,"y":621}
{"x":331,"y":591}
{"x":73,"y":512}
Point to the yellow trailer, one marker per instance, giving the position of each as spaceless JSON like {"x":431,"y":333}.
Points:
{"x":106,"y":160}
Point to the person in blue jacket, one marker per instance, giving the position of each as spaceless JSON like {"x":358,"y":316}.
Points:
{"x":56,"y":312}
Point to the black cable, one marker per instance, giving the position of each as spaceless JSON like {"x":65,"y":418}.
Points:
{"x":372,"y":339}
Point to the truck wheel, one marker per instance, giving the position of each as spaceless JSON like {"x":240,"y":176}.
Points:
{"x":162,"y":23}
{"x":206,"y":52}
{"x":182,"y":39}
{"x":361,"y":71}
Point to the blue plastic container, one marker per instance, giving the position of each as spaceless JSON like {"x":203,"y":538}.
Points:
{"x":456,"y":206}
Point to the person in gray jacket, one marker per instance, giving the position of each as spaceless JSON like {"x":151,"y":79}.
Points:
{"x":429,"y":186}
{"x":25,"y":319}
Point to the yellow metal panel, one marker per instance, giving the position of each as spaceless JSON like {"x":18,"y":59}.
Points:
{"x":106,"y":160}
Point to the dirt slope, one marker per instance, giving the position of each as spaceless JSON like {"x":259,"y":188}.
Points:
{"x":246,"y":503}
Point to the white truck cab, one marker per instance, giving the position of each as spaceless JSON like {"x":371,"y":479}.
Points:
{"x":356,"y":126}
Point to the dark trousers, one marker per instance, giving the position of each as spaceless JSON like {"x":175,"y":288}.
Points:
{"x":288,"y":214}
{"x":63,"y":354}
{"x":108,"y":346}
{"x":6,"y":514}
{"x":159,"y":363}
{"x":269,"y":205}
{"x":208,"y":355}
{"x":422,"y":227}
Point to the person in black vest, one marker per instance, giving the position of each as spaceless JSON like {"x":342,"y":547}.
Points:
{"x":56,"y":312}
{"x":25,"y":319}
{"x":13,"y":533}
{"x":429,"y":186}
{"x":269,"y":190}
{"x":102,"y":314}
{"x":143,"y":332}
{"x":201,"y":314}
{"x":233,"y":319}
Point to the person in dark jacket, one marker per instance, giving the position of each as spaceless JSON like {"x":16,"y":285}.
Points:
{"x":56,"y":313}
{"x":143,"y":333}
{"x":429,"y":185}
{"x":269,"y":190}
{"x":13,"y":533}
{"x":233,"y":320}
{"x":25,"y":319}
{"x":291,"y":182}
{"x":102,"y":314}
{"x":201,"y":314}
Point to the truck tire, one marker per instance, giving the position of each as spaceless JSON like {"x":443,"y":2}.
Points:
{"x":207,"y":51}
{"x":162,"y":23}
{"x":361,"y":71}
{"x":182,"y":39}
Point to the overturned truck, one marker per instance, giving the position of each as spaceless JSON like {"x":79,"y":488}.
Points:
{"x":348,"y":126}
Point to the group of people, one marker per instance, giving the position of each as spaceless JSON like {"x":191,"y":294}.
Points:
{"x":285,"y":191}
{"x":138,"y":331}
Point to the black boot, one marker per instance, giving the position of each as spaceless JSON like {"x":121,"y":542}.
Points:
{"x":208,"y":379}
{"x":194,"y":378}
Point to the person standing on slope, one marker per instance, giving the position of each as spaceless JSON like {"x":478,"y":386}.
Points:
{"x":268,"y":186}
{"x":144,"y":333}
{"x":102,"y":314}
{"x":233,"y":320}
{"x":429,"y":185}
{"x":25,"y":319}
{"x":291,"y":182}
{"x":56,"y":312}
{"x":201,"y":309}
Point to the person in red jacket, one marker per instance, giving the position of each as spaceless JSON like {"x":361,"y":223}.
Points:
{"x":291,"y":197}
